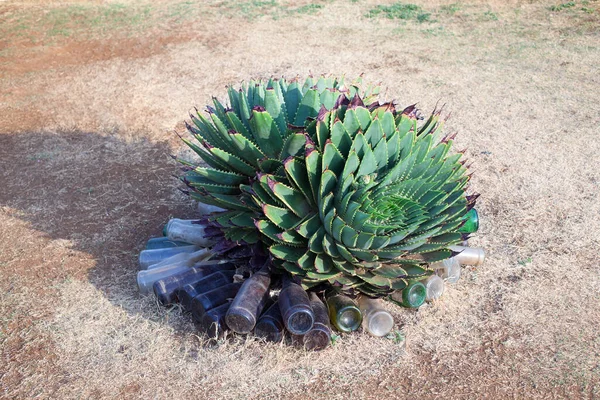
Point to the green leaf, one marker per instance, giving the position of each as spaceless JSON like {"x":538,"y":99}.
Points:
{"x":315,"y":243}
{"x":247,"y":150}
{"x":281,"y":217}
{"x":296,"y":173}
{"x":368,"y":164}
{"x":292,"y":96}
{"x":266,"y":134}
{"x":309,"y":226}
{"x":341,"y":138}
{"x":390,"y":270}
{"x":332,"y":160}
{"x":323,"y":264}
{"x":293,"y":145}
{"x":233,"y":162}
{"x":309,"y":107}
{"x":277,"y":111}
{"x":290,"y":197}
{"x":286,"y":253}
{"x":313,"y":169}
{"x":221,"y":177}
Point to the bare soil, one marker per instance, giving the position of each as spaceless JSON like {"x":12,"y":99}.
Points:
{"x":87,"y":121}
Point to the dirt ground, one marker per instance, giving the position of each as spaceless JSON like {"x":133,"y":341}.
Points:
{"x":91,"y":94}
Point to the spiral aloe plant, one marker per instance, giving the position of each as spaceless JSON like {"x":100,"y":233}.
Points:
{"x":339,"y":188}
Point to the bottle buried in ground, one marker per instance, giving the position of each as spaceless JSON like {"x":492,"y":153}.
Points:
{"x":434,"y":287}
{"x":152,"y":257}
{"x":344,"y":313}
{"x":213,"y":322}
{"x":376,"y":320}
{"x":298,"y":316}
{"x":412,"y":296}
{"x":186,"y":232}
{"x":270,"y":324}
{"x":319,"y":337}
{"x":164,"y":243}
{"x":205,"y":302}
{"x":249,"y":302}
{"x":164,"y":289}
{"x":469,"y":255}
{"x":186,"y":293}
{"x":471,"y":224}
{"x":146,"y":278}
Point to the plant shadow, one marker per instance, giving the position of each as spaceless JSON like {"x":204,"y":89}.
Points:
{"x":102,"y":195}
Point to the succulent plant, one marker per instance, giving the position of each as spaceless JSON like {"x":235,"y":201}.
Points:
{"x":339,"y":188}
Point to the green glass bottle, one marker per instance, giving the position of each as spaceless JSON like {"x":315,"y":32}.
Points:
{"x":471,"y":224}
{"x":344,"y":313}
{"x":412,"y":296}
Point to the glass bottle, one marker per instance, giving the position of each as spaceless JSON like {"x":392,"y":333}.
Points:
{"x":412,"y":296}
{"x":205,"y":302}
{"x":164,"y":289}
{"x":471,"y":224}
{"x":249,"y":302}
{"x":205,"y":209}
{"x":344,"y":314}
{"x":163,"y":242}
{"x":319,"y":337}
{"x":434,"y":287}
{"x":448,"y":269}
{"x":469,"y":255}
{"x":186,"y":232}
{"x":270,"y":324}
{"x":298,"y":316}
{"x":186,"y":293}
{"x":213,"y":322}
{"x":146,"y":278}
{"x":376,"y":320}
{"x":154,"y":256}
{"x":190,"y":258}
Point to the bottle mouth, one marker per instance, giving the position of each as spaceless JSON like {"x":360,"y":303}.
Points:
{"x":316,"y":339}
{"x":298,"y":322}
{"x":380,"y":323}
{"x":240,"y":320}
{"x":414,"y":295}
{"x":349,"y":319}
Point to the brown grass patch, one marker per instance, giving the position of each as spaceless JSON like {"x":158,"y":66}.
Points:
{"x":85,"y":179}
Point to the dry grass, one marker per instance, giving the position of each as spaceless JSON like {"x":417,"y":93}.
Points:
{"x":85,"y":177}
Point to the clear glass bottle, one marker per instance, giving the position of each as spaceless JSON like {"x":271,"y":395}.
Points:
{"x":469,"y":255}
{"x":448,"y":269}
{"x":205,"y":209}
{"x":412,"y":296}
{"x":434,"y":287}
{"x":376,"y":320}
{"x":205,"y":302}
{"x":344,"y":313}
{"x":154,"y":256}
{"x":190,"y":258}
{"x":270,"y":324}
{"x":163,"y":242}
{"x":164,"y":289}
{"x":146,"y":278}
{"x":298,"y":316}
{"x":186,"y":293}
{"x":319,"y":337}
{"x":186,"y":232}
{"x":249,"y":302}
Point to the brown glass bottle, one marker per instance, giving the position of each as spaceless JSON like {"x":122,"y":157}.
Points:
{"x":249,"y":302}
{"x":270,"y":324}
{"x":207,"y":301}
{"x":164,"y":289}
{"x":319,"y":337}
{"x":186,"y":293}
{"x":298,"y":316}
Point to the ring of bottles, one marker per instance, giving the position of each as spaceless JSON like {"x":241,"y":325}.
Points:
{"x":177,"y":268}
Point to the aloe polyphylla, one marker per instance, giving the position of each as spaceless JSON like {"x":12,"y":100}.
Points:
{"x":339,"y":188}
